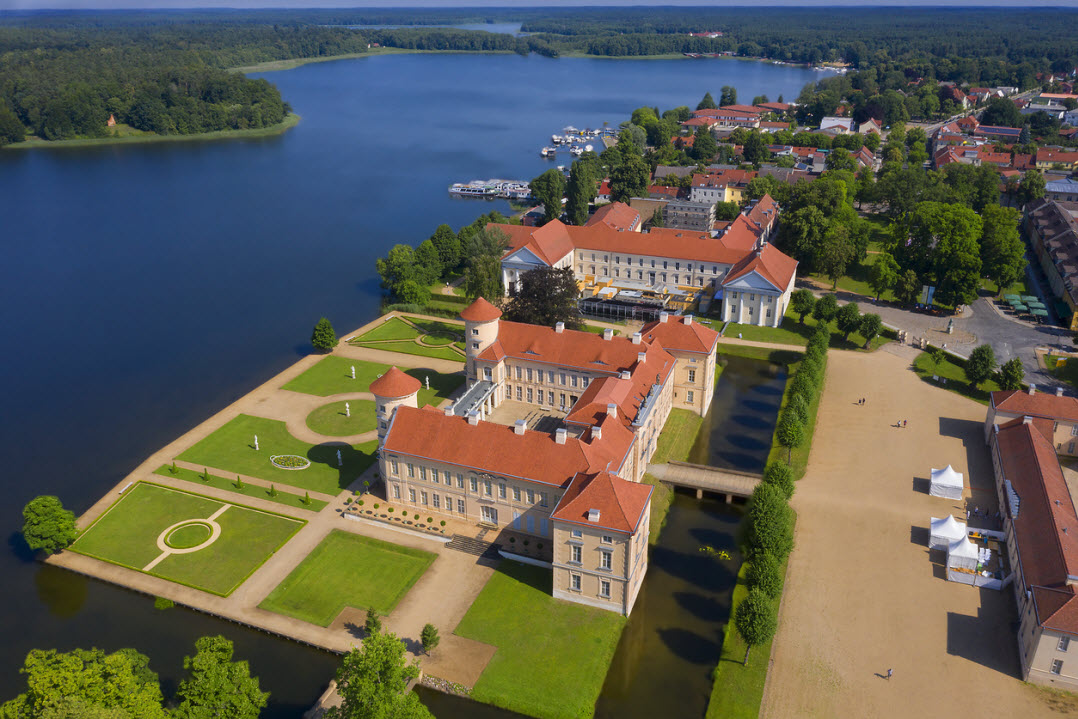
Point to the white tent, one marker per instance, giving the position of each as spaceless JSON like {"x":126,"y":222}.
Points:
{"x":943,"y":532}
{"x":946,"y":483}
{"x":962,"y":554}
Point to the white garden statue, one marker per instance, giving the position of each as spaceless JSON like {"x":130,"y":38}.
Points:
{"x":340,"y":462}
{"x":256,"y":442}
{"x":427,"y":378}
{"x":353,"y":371}
{"x":347,"y":410}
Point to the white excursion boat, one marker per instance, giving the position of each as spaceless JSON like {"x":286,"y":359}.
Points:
{"x":548,"y":152}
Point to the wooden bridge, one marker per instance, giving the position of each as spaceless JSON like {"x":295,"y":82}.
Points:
{"x":729,"y":482}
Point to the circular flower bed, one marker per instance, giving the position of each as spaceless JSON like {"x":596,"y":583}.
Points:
{"x":290,"y":461}
{"x":188,"y":535}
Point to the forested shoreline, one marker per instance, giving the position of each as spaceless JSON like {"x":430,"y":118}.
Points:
{"x":64,"y":74}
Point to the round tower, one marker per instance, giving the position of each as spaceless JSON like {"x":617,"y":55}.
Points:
{"x":481,"y":320}
{"x":391,"y":390}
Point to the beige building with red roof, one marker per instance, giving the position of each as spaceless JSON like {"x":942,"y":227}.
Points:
{"x":567,"y":472}
{"x":1026,"y":431}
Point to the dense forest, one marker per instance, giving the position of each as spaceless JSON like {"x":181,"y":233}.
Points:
{"x":64,"y":73}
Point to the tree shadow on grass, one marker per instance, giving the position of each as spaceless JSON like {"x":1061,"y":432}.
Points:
{"x":354,"y":462}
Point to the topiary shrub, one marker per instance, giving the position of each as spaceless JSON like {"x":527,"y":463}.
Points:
{"x":443,"y":522}
{"x":417,"y":516}
{"x":239,"y":482}
{"x":512,"y":540}
{"x":360,"y":503}
{"x":765,"y":574}
{"x":376,"y":505}
{"x":781,"y":476}
{"x":430,"y":519}
{"x":273,"y":490}
{"x":390,"y":509}
{"x":174,"y":469}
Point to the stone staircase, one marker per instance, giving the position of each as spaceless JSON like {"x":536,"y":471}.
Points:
{"x":475,"y":546}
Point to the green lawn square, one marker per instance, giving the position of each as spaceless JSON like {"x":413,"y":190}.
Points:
{"x":348,"y":570}
{"x":552,"y":655}
{"x":333,"y":375}
{"x":231,"y":449}
{"x":126,"y":534}
{"x":392,"y":329}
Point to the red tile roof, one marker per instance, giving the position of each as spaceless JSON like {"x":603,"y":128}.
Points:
{"x":664,"y":190}
{"x":775,"y":106}
{"x":480,"y":311}
{"x":742,"y":236}
{"x":723,"y":178}
{"x":747,"y":109}
{"x":487,"y":447}
{"x":621,"y":504}
{"x":627,"y":394}
{"x":617,"y":215}
{"x":1040,"y":404}
{"x":681,"y":334}
{"x":1060,"y":156}
{"x":769,"y":263}
{"x":394,"y":383}
{"x":550,"y":243}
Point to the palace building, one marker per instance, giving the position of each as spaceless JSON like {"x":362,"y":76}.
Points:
{"x":551,"y":440}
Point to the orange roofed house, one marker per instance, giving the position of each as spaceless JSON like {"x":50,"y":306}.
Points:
{"x":1026,"y":432}
{"x":574,"y":485}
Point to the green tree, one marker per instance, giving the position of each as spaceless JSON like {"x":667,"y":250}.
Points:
{"x":373,"y":682}
{"x":704,"y":146}
{"x":870,"y":327}
{"x":770,"y":522}
{"x":728,"y":96}
{"x":981,"y":365}
{"x":1032,"y":187}
{"x":430,"y":638}
{"x":780,"y":475}
{"x":47,"y":526}
{"x":908,"y":287}
{"x":727,"y":211}
{"x":790,"y":433}
{"x":883,"y":274}
{"x":755,"y":620}
{"x":1001,"y":111}
{"x":217,"y":687}
{"x":373,"y":623}
{"x":630,"y":179}
{"x":546,"y":296}
{"x":802,"y":302}
{"x":836,"y":253}
{"x":825,"y":309}
{"x":428,"y":263}
{"x":803,"y":231}
{"x":580,"y":191}
{"x":1002,"y":250}
{"x":765,"y":574}
{"x":755,"y":148}
{"x":88,"y":681}
{"x":323,"y":337}
{"x":841,"y":159}
{"x":448,"y":245}
{"x":708,"y":103}
{"x":483,"y":271}
{"x":397,"y":266}
{"x":848,"y":319}
{"x":548,"y":189}
{"x":411,"y":292}
{"x":11,"y":130}
{"x":1011,"y":374}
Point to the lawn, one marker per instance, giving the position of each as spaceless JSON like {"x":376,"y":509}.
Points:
{"x":675,"y":441}
{"x":1067,"y":373}
{"x":248,"y":490}
{"x":794,"y":333}
{"x":955,"y":376}
{"x":392,"y":329}
{"x":398,"y":335}
{"x":348,"y":570}
{"x":448,"y":352}
{"x":552,"y":655}
{"x":231,"y":449}
{"x":856,"y":280}
{"x":127,"y":533}
{"x":330,"y":419}
{"x":333,"y":375}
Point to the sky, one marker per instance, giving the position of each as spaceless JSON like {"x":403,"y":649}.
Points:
{"x":160,"y":4}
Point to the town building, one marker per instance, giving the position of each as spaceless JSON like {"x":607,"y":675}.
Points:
{"x":720,"y":186}
{"x":1025,"y":431}
{"x":1052,"y":229}
{"x":574,"y":484}
{"x":686,"y":214}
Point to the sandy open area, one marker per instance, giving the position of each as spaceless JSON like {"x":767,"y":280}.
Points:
{"x":863,"y":593}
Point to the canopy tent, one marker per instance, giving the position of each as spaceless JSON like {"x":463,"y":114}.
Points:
{"x":944,"y":532}
{"x":1035,"y":303}
{"x":962,"y":554}
{"x":1020,"y":307}
{"x":1029,"y":298}
{"x":1039,"y":312}
{"x":1010,"y":297}
{"x":1014,"y":300}
{"x":946,"y":483}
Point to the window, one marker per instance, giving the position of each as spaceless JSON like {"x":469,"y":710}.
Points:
{"x":423,"y":497}
{"x":411,"y":470}
{"x":531,"y":497}
{"x":448,"y":478}
{"x":518,"y":394}
{"x":576,"y":534}
{"x":665,"y":264}
{"x":518,"y":371}
{"x":486,"y":487}
{"x":542,"y":526}
{"x":562,"y":379}
{"x":530,"y":394}
{"x":396,"y":491}
{"x":423,"y":473}
{"x":617,"y":273}
{"x":435,"y":501}
{"x":604,"y":588}
{"x":460,"y":506}
{"x":575,"y":554}
{"x":396,"y":468}
{"x":692,"y":375}
{"x":501,"y":491}
{"x":574,"y":582}
{"x":677,"y":265}
{"x":509,"y":391}
{"x":1064,"y":642}
{"x":550,"y":376}
{"x":617,"y":259}
{"x":752,"y":297}
{"x":460,"y":481}
{"x":448,"y":503}
{"x":573,"y":380}
{"x":605,"y":560}
{"x":608,"y":539}
{"x":411,"y":496}
{"x":488,"y":375}
{"x":1057,"y":666}
{"x":1074,"y":430}
{"x":606,"y":258}
{"x":475,"y":345}
{"x":540,"y":396}
{"x":714,"y":269}
{"x":689,"y":396}
{"x":562,"y":397}
{"x":531,"y":523}
{"x":516,"y":494}
{"x":530,"y":374}
{"x":475,"y":484}
{"x":475,"y":330}
{"x":550,"y":397}
{"x":434,"y":476}
{"x":542,"y":499}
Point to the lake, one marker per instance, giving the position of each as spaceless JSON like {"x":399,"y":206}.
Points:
{"x":146,"y":287}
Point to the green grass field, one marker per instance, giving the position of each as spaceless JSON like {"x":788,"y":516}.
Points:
{"x":392,"y":329}
{"x":399,"y":335}
{"x":955,"y":376}
{"x":348,"y":570}
{"x":333,"y":375}
{"x":248,"y":490}
{"x":126,"y":534}
{"x":125,"y":135}
{"x":230,"y":449}
{"x":447,"y":352}
{"x":330,"y":419}
{"x":552,"y":655}
{"x":793,"y":333}
{"x":675,"y":441}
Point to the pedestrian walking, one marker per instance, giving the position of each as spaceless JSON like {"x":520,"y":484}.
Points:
{"x":890,"y":673}
{"x":903,"y":424}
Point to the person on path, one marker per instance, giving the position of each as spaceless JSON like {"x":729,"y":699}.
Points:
{"x":890,"y":672}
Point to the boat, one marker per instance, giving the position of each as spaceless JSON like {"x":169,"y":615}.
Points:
{"x":570,"y":130}
{"x":577,"y":151}
{"x":476,"y":188}
{"x":548,"y":151}
{"x":587,"y":148}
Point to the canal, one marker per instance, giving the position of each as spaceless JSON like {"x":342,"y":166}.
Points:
{"x":673,"y":640}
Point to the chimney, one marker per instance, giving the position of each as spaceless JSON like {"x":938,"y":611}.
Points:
{"x":636,"y":338}
{"x":448,"y":411}
{"x":1032,"y":389}
{"x":663,"y":316}
{"x":612,"y":409}
{"x":559,"y":328}
{"x":1027,"y":420}
{"x":519,"y":426}
{"x":625,"y":374}
{"x":596,"y":433}
{"x":473,"y":418}
{"x":1059,"y":391}
{"x":560,"y":435}
{"x":593,"y":515}
{"x":687,"y":319}
{"x":608,"y":334}
{"x":641,"y":356}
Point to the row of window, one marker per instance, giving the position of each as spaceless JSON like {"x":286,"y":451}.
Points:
{"x":666,"y":263}
{"x":651,"y":276}
{"x":733,"y":311}
{"x":536,"y":396}
{"x":473,"y":483}
{"x":435,"y":499}
{"x":576,"y":556}
{"x":575,"y":585}
{"x":752,"y":297}
{"x":547,"y":376}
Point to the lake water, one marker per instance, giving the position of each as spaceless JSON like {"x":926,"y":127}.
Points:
{"x":146,"y":287}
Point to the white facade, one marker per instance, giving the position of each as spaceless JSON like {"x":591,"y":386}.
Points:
{"x":753,"y":300}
